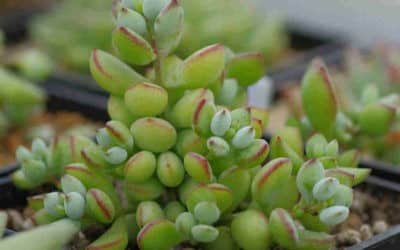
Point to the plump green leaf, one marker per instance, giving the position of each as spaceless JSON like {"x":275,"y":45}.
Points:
{"x":132,"y":20}
{"x":132,"y":47}
{"x":203,"y":67}
{"x":168,"y":28}
{"x":112,"y":74}
{"x":56,"y":235}
{"x":115,"y":238}
{"x":376,"y":119}
{"x":152,"y":8}
{"x":246,"y":68}
{"x":160,"y":235}
{"x":318,"y":96}
{"x":267,"y":185}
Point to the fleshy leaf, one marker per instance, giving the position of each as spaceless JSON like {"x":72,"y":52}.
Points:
{"x":56,"y":235}
{"x":161,"y":235}
{"x":319,"y":100}
{"x":239,"y":181}
{"x":203,"y":67}
{"x":115,"y":238}
{"x":376,"y":119}
{"x":132,"y":20}
{"x":168,"y":28}
{"x":112,"y":74}
{"x":246,"y":68}
{"x":309,"y":240}
{"x":131,"y":47}
{"x":267,"y":185}
{"x":283,"y":229}
{"x":256,"y":239}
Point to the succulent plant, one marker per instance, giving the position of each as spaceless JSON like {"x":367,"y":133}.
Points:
{"x":70,"y":40}
{"x":374,"y":77}
{"x":192,"y":171}
{"x":19,"y":99}
{"x":358,"y":112}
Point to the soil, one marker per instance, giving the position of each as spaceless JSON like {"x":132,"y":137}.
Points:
{"x":59,"y":123}
{"x":373,"y":212}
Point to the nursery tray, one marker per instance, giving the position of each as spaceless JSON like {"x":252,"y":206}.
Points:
{"x":300,"y":45}
{"x":63,"y":98}
{"x":11,"y":197}
{"x":282,"y":78}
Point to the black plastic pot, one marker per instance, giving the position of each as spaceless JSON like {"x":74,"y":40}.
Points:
{"x":61,"y":97}
{"x":332,"y":56}
{"x":11,"y":197}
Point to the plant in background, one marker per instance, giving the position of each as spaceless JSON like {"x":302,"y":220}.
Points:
{"x":366,"y":117}
{"x":191,"y":163}
{"x":70,"y":40}
{"x":19,"y":99}
{"x":372,"y":78}
{"x":234,"y":23}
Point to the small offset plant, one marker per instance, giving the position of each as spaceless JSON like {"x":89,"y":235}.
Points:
{"x":177,"y":165}
{"x":359,"y":113}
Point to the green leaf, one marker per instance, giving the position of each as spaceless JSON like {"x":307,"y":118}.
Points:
{"x":112,"y":74}
{"x":239,"y":181}
{"x":15,"y":90}
{"x":53,"y":236}
{"x":309,"y":240}
{"x":376,"y":119}
{"x":132,"y":47}
{"x":132,"y":20}
{"x":246,"y":68}
{"x":152,"y":8}
{"x":256,"y":239}
{"x":267,"y":185}
{"x":283,"y":229}
{"x":360,"y":174}
{"x":168,"y":28}
{"x":115,"y":238}
{"x":203,"y":67}
{"x":171,"y":68}
{"x":318,"y":96}
{"x":160,"y":235}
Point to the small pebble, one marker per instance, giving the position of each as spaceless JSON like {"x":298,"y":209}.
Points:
{"x":16,"y":219}
{"x":366,"y":232}
{"x":349,"y":237}
{"x":379,"y":227}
